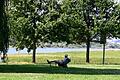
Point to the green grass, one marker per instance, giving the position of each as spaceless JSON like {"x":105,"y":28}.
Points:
{"x":45,"y":72}
{"x":19,"y":67}
{"x":111,"y":57}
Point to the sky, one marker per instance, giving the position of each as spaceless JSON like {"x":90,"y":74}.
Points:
{"x":117,"y":1}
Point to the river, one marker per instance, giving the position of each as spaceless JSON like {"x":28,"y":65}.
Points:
{"x":52,"y":50}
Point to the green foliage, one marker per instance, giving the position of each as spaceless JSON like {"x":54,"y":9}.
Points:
{"x":108,"y":17}
{"x":58,"y":21}
{"x":74,"y":19}
{"x":33,"y":21}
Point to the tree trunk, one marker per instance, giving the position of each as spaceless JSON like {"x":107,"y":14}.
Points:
{"x":4,"y":33}
{"x":88,"y":49}
{"x":104,"y":53}
{"x":34,"y":52}
{"x":34,"y":41}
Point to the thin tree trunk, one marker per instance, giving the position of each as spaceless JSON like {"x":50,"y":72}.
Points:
{"x":88,"y":50}
{"x":34,"y":52}
{"x":34,"y":41}
{"x":104,"y":53}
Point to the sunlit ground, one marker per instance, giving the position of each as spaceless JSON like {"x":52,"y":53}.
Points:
{"x":19,"y":67}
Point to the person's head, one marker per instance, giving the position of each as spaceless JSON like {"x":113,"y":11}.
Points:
{"x":66,"y":55}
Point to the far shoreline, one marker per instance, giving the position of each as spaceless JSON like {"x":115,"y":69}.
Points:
{"x":55,"y":50}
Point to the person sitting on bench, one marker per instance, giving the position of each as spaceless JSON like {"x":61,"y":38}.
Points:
{"x":62,"y":63}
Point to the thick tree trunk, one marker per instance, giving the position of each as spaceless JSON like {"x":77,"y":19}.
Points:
{"x":88,"y":50}
{"x":4,"y":29}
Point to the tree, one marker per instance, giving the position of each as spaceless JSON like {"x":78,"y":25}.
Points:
{"x":31,"y":22}
{"x":80,"y":21}
{"x":4,"y":29}
{"x":107,"y":24}
{"x":27,"y":23}
{"x":100,"y":17}
{"x":90,"y":18}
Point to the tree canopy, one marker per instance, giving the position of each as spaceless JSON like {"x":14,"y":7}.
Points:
{"x":33,"y":22}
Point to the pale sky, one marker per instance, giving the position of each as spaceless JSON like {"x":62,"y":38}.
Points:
{"x":117,"y":1}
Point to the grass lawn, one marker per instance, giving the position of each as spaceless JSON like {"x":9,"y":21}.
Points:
{"x":45,"y":72}
{"x":19,"y":67}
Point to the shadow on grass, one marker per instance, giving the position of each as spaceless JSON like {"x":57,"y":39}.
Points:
{"x":56,"y":70}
